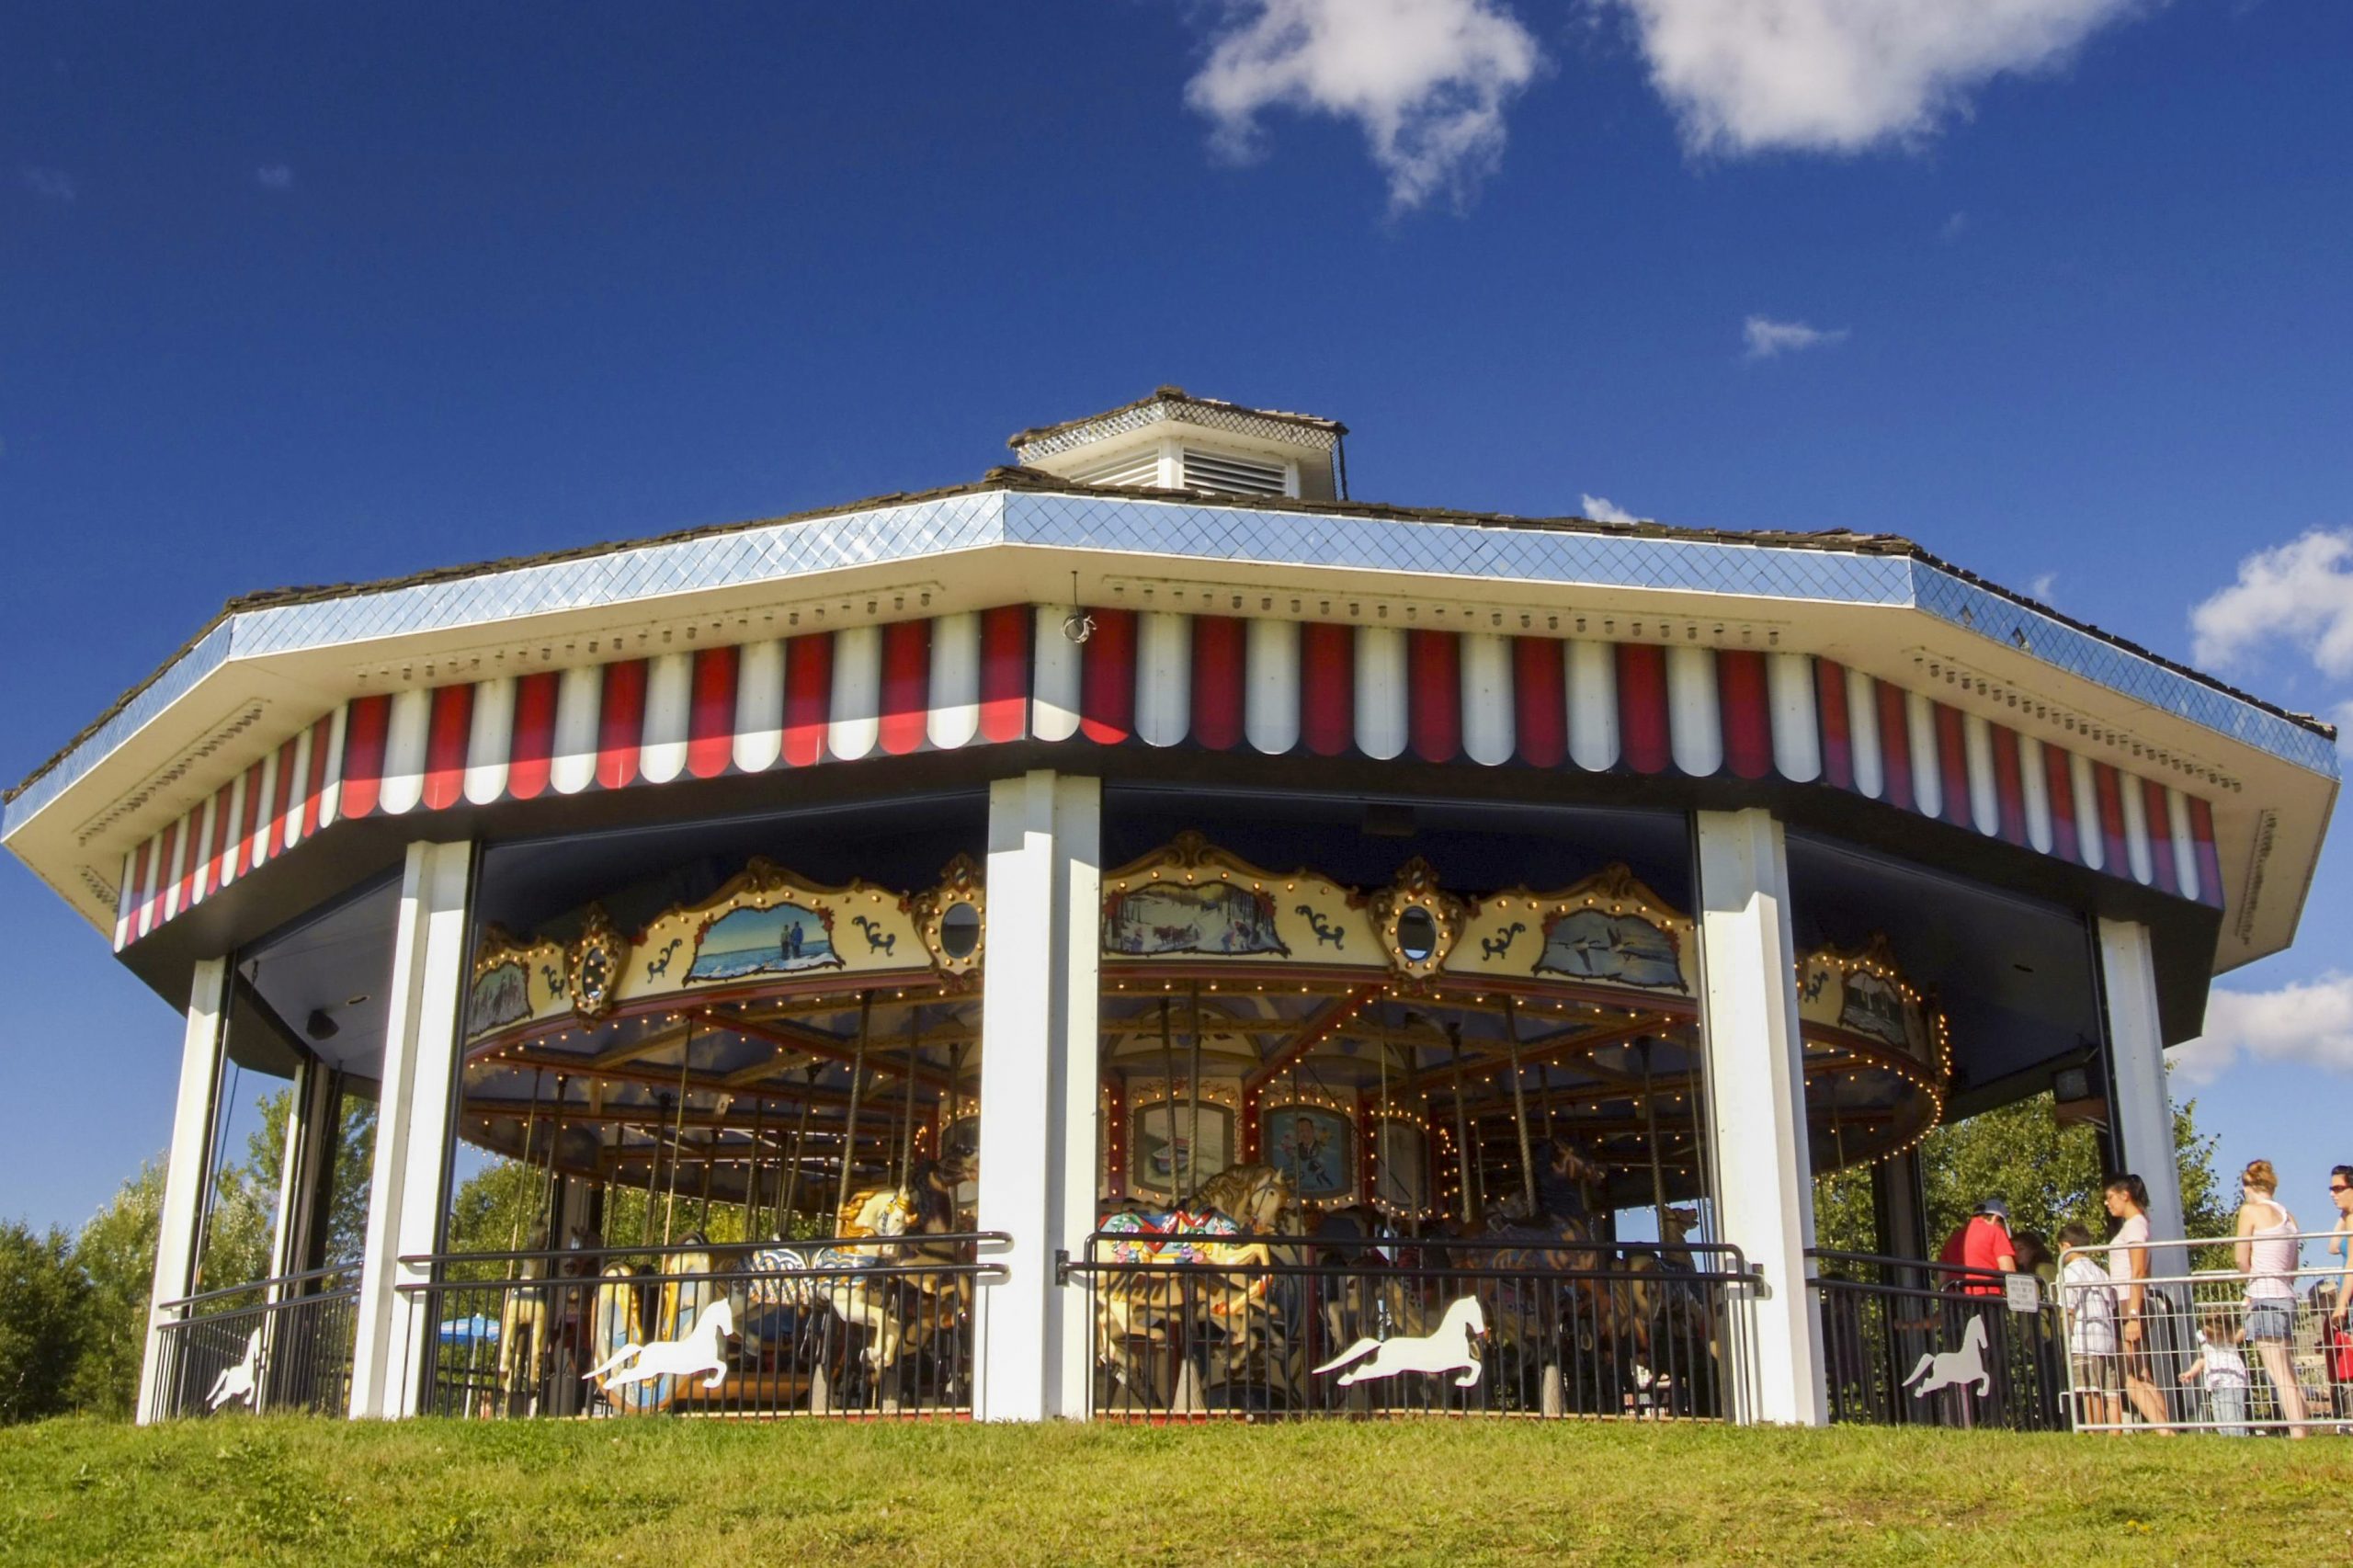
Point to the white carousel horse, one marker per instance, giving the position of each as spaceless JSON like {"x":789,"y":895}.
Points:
{"x":1446,"y":1349}
{"x":1952,"y":1369}
{"x":698,"y":1351}
{"x":237,"y":1381}
{"x":828,"y":1276}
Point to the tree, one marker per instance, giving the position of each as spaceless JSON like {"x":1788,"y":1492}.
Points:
{"x":2047,"y":1175}
{"x":43,"y":1297}
{"x":116,"y":1254}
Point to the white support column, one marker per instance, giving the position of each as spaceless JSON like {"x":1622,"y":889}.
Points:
{"x":1755,"y":1091}
{"x":2136,"y":1078}
{"x":184,"y":1175}
{"x":411,"y":1126}
{"x":1039,"y":1046}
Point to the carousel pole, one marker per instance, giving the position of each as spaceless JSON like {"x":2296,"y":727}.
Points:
{"x":531,"y":1126}
{"x":1519,"y":1106}
{"x":784,"y":1209}
{"x":907,"y":1104}
{"x":653,"y":1169}
{"x":555,"y":1137}
{"x":1168,"y":1096}
{"x":678,"y":1133}
{"x":857,"y":1084}
{"x":752,"y":1173}
{"x":1461,"y":1134}
{"x":1381,"y":1129}
{"x":1193,"y":1088}
{"x":710,"y":1163}
{"x":1650,"y":1133}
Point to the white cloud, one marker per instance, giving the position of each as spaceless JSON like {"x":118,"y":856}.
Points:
{"x":2306,"y":1021}
{"x":50,"y":185}
{"x":1955,"y":226}
{"x":274,"y":177}
{"x":2300,"y":592}
{"x":2044,"y":582}
{"x":1427,"y":80}
{"x":1602,"y":509}
{"x":1766,"y":337}
{"x":1841,"y":75}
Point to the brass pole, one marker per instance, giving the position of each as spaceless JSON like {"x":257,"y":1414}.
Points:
{"x":1519,"y":1106}
{"x":856,"y":1084}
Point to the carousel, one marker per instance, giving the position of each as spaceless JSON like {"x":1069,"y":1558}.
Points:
{"x":1143,"y":934}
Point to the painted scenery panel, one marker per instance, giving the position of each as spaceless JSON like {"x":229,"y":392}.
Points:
{"x":501,"y":995}
{"x":1160,"y":1163}
{"x":1872,"y":1006}
{"x":1625,"y":948}
{"x":785,"y":939}
{"x":1314,"y":1146}
{"x":1215,"y":917}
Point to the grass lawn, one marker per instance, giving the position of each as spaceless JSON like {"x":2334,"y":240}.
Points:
{"x":676,"y":1492}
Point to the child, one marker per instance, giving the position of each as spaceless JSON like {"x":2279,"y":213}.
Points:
{"x":2090,"y":1301}
{"x":2224,"y":1369}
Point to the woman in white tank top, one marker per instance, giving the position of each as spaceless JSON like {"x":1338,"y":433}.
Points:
{"x":2267,"y":1254}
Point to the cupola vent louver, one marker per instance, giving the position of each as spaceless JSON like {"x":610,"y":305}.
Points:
{"x":1233,"y":476}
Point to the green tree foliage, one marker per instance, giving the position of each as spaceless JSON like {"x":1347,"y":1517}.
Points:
{"x":43,"y":1297}
{"x":116,"y":1253}
{"x":2048,"y":1174}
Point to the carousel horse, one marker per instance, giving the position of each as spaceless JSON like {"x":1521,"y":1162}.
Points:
{"x":803,"y":1278}
{"x":1240,"y":1201}
{"x":702,"y":1349}
{"x":1559,"y":1241}
{"x":616,"y":1322}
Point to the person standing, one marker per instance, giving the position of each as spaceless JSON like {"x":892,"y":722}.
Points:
{"x":2126,"y":1198}
{"x":2090,"y":1303}
{"x":1981,"y":1246}
{"x":2337,"y":1327}
{"x":2268,"y":1254}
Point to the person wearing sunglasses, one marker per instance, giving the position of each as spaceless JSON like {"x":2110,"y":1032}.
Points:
{"x":2340,"y":1240}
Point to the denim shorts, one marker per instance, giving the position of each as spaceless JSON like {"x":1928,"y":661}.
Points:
{"x":2270,"y":1320}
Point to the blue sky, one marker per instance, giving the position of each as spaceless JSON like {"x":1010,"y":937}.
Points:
{"x":301,"y":294}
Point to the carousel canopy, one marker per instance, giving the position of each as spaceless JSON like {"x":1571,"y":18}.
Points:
{"x":1218,"y":598}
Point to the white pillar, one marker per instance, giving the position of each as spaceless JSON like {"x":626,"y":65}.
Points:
{"x":1039,"y":1048}
{"x":184,"y":1174}
{"x":1756,"y":1086}
{"x":2142,"y":1109}
{"x":421,"y":1025}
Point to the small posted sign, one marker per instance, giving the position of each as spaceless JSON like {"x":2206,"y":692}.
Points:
{"x":2024,"y":1290}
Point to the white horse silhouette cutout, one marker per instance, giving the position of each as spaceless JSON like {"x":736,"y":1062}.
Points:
{"x":1446,"y":1349}
{"x":695,"y":1351}
{"x":237,"y":1381}
{"x":1951,"y":1369}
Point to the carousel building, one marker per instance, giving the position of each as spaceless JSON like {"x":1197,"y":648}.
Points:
{"x":858,"y":939}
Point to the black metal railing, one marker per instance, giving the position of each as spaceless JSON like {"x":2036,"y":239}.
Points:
{"x":1190,"y":1325}
{"x":847,"y":1326}
{"x":1907,"y":1343}
{"x":276,"y":1345}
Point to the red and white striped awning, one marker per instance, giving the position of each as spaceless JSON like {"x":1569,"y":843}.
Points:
{"x":1167,"y":679}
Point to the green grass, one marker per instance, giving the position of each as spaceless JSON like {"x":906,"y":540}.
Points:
{"x":680,"y":1493}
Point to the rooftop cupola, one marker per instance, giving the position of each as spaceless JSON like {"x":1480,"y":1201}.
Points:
{"x":1173,"y":440}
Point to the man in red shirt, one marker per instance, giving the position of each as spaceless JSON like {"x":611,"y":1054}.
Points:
{"x":1983,"y":1245}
